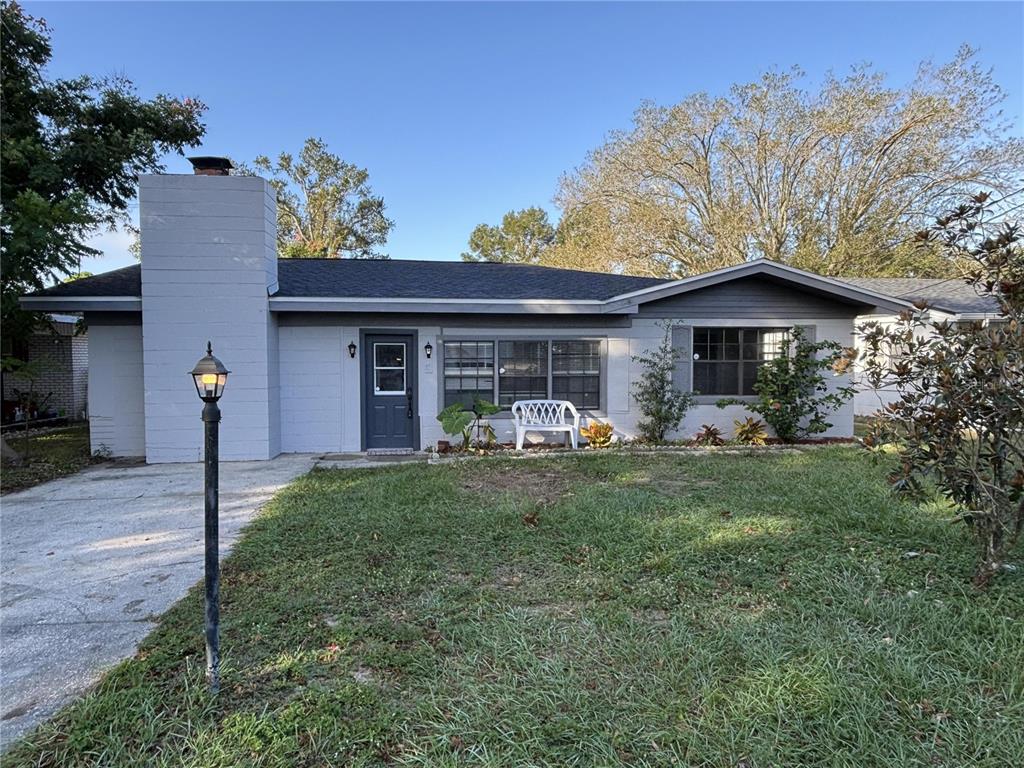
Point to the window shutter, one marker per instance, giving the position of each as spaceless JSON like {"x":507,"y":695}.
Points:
{"x":682,"y":342}
{"x":810,"y":332}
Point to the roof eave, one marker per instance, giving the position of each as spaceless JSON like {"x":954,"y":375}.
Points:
{"x":442,"y":306}
{"x":82,"y":303}
{"x":966,"y":316}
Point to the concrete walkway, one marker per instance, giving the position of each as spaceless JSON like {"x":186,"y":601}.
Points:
{"x":88,"y":563}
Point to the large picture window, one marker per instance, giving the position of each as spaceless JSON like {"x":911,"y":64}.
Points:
{"x":468,"y":372}
{"x":726,"y":360}
{"x":506,"y":370}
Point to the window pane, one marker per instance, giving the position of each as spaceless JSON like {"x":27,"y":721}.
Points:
{"x":773,"y":342}
{"x":389,"y":355}
{"x":524,"y":358}
{"x":749,"y":377}
{"x":579,"y":357}
{"x":389,"y":380}
{"x":581,"y":391}
{"x":468,"y":372}
{"x":700,"y":343}
{"x":715,"y":344}
{"x":716,"y":378}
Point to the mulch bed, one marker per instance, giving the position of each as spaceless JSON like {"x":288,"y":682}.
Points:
{"x":508,"y":449}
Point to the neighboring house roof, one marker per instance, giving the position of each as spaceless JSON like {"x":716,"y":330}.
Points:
{"x":951,"y":294}
{"x":438,"y":286}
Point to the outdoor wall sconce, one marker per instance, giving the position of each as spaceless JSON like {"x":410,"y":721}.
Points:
{"x":429,"y":349}
{"x":352,"y":350}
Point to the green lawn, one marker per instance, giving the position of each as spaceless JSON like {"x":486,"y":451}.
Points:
{"x":46,"y":456}
{"x":593,"y":611}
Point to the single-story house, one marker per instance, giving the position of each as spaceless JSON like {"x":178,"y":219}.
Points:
{"x":350,"y":355}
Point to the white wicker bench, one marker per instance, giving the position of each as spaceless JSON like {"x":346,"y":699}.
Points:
{"x":545,"y":416}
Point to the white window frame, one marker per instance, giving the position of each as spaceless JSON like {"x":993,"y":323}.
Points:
{"x":402,"y":368}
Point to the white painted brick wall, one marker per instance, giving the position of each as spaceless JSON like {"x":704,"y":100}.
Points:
{"x":62,"y":362}
{"x":208,"y":260}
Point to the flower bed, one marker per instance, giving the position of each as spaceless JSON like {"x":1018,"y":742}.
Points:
{"x":508,"y":450}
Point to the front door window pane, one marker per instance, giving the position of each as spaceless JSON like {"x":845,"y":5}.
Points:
{"x":389,"y":369}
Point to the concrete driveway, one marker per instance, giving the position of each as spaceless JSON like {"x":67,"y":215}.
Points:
{"x":88,"y":563}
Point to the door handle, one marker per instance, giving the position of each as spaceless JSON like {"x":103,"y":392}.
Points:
{"x":408,"y":394}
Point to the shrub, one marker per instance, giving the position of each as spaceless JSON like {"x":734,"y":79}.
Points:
{"x":598,"y":434}
{"x":959,"y":419}
{"x":750,"y":431}
{"x":661,"y":404}
{"x":793,"y":395}
{"x":457,"y":421}
{"x":709,"y":435}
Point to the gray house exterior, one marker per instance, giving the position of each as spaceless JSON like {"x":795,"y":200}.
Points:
{"x":948,"y":300}
{"x":342,"y":355}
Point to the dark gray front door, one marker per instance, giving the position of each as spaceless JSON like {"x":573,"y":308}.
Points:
{"x":389,"y":386}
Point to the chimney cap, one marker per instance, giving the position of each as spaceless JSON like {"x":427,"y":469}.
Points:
{"x":210,"y":165}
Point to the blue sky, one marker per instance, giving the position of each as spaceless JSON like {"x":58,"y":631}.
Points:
{"x":462,"y":111}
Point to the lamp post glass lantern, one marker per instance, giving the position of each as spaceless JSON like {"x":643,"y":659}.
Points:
{"x":210,"y":377}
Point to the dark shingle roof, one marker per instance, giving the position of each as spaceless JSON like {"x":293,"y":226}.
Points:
{"x":401,"y":279}
{"x":953,"y":294}
{"x":126,"y":281}
{"x":355,"y":278}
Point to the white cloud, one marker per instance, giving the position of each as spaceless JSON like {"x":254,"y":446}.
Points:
{"x":115,"y":245}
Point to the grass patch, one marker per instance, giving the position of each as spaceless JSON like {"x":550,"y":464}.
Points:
{"x":46,"y":456}
{"x":628,"y":610}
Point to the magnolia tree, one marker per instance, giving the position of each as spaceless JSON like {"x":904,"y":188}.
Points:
{"x":959,"y":417}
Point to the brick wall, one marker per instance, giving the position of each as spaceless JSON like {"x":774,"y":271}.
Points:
{"x":63,"y":359}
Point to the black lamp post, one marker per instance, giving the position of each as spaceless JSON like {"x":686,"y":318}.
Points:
{"x":210,"y":376}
